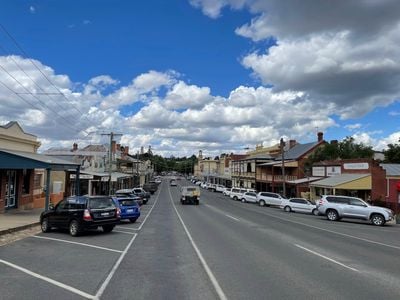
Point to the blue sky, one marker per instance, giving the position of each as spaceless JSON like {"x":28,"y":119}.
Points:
{"x":213,"y":75}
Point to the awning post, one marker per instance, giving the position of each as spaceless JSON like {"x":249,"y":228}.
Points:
{"x":77,"y":181}
{"x":47,"y":201}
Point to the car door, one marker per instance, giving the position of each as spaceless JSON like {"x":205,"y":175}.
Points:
{"x":295,"y":205}
{"x":251,"y":197}
{"x":357,"y":209}
{"x":60,"y":216}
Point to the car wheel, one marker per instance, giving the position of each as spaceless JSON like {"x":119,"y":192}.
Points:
{"x":109,"y":228}
{"x":235,"y":198}
{"x":287,"y":208}
{"x":244,"y":200}
{"x":332,"y":215}
{"x":45,"y":226}
{"x":74,"y":228}
{"x":261,"y":203}
{"x":377,"y":220}
{"x":133,"y":220}
{"x":315,"y":212}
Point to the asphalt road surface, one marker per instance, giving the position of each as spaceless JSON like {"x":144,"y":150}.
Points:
{"x":220,"y":249}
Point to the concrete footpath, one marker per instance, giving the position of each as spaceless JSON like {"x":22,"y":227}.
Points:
{"x":16,"y":220}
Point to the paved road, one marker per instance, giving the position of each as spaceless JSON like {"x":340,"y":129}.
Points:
{"x":221,"y":249}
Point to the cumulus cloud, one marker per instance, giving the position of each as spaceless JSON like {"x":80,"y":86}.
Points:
{"x":187,"y":96}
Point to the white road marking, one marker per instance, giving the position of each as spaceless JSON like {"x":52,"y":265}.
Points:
{"x":229,"y":216}
{"x":120,"y":231}
{"x":327,"y":258}
{"x":76,"y":243}
{"x":141,"y":225}
{"x":211,"y":276}
{"x":127,"y":228}
{"x":49,"y":280}
{"x":335,"y":232}
{"x":114,"y":269}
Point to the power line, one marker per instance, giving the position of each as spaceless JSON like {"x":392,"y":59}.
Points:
{"x":41,"y":72}
{"x":29,"y":103}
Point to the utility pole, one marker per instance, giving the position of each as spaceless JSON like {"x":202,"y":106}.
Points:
{"x":112,"y":135}
{"x":282,"y":144}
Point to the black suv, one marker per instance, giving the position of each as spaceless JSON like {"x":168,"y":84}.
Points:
{"x":80,"y":213}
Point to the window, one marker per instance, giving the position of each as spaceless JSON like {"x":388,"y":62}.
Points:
{"x":340,"y":200}
{"x":37,"y":181}
{"x":356,"y":202}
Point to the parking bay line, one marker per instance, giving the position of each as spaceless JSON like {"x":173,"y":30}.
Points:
{"x":327,"y":258}
{"x":115,"y":268}
{"x":49,"y":280}
{"x":120,"y":231}
{"x":76,"y":243}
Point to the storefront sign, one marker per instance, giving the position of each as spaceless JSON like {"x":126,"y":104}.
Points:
{"x":81,"y":176}
{"x":333,"y":171}
{"x":318,"y":171}
{"x":105,"y":178}
{"x":356,"y":166}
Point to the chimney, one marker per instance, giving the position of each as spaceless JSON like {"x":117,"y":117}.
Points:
{"x":292,"y":143}
{"x":113,"y":146}
{"x":74,"y":147}
{"x":126,"y":150}
{"x":118,"y":147}
{"x":320,"y":136}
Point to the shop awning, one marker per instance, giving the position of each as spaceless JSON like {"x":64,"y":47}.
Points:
{"x":117,"y":175}
{"x":304,"y":180}
{"x":12,"y":159}
{"x":345,"y":181}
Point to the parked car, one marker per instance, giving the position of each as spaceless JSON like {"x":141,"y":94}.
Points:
{"x":80,"y":213}
{"x":249,"y":197}
{"x":219,"y":188}
{"x":336,"y":207}
{"x":203,"y":185}
{"x":267,"y":198}
{"x":227,"y":192}
{"x":190,"y":194}
{"x":129,"y":208}
{"x":138,"y":191}
{"x":129,"y":193}
{"x":237,"y":193}
{"x":172,"y":182}
{"x":299,"y":205}
{"x":150,"y":187}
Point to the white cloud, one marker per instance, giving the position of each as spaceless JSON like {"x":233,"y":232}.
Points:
{"x":187,"y":96}
{"x":353,"y":126}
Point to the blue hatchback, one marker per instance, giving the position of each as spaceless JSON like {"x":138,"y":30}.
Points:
{"x":129,"y":208}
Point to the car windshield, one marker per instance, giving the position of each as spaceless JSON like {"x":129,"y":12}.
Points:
{"x":100,"y":203}
{"x":127,"y":202}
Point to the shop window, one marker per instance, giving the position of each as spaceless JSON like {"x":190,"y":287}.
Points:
{"x":26,"y":181}
{"x":248,"y":167}
{"x":37,"y":181}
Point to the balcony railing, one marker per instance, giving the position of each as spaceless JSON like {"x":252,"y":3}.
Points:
{"x":275,"y":178}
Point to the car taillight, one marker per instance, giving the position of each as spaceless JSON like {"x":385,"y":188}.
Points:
{"x":86,"y":215}
{"x":118,"y":212}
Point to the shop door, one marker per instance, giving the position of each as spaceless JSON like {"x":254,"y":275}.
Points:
{"x":11,"y":187}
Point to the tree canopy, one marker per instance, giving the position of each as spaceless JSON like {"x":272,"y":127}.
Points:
{"x":392,"y":154}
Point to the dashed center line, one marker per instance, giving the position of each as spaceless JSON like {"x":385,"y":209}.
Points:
{"x":233,"y":218}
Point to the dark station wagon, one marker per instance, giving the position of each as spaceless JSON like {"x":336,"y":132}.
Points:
{"x":80,"y":213}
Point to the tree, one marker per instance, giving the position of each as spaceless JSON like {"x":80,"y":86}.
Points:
{"x":392,"y":154}
{"x":346,"y":149}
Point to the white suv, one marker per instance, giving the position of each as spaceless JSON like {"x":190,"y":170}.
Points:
{"x":267,"y":198}
{"x":337,"y":207}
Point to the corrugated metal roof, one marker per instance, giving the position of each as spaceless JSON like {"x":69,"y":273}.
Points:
{"x":303,"y":180}
{"x":338,"y":180}
{"x":299,"y":150}
{"x":51,"y":160}
{"x":391,"y":169}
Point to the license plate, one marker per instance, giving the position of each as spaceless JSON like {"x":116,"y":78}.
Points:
{"x":105,"y":214}
{"x":129,"y":210}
